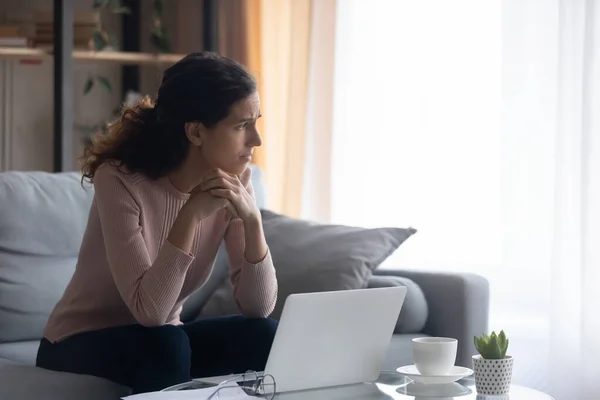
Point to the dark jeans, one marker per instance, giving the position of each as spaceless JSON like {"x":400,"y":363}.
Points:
{"x":149,"y":359}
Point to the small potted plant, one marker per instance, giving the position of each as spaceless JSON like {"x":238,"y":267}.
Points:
{"x":492,"y":367}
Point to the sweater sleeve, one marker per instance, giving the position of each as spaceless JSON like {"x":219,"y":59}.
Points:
{"x":254,"y":285}
{"x":150,"y":288}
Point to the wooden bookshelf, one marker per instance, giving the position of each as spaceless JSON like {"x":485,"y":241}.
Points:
{"x":63,"y":52}
{"x":115,"y":57}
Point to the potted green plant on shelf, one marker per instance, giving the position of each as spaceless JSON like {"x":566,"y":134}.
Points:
{"x":102,"y":40}
{"x":492,"y":367}
{"x":160,"y":40}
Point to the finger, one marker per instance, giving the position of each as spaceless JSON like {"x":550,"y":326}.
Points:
{"x":217,"y":183}
{"x":245,"y":176}
{"x":224,"y":193}
{"x":231,"y":210}
{"x":219,"y":173}
{"x":229,"y":197}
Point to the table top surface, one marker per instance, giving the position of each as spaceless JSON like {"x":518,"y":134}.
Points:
{"x":390,"y":385}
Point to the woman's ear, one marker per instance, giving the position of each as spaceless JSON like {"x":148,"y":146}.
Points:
{"x":194,"y":131}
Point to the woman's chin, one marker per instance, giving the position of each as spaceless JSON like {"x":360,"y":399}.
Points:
{"x":241,"y":166}
{"x":238,"y":171}
{"x":235,"y":169}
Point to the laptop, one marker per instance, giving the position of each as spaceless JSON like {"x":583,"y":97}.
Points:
{"x":332,"y":338}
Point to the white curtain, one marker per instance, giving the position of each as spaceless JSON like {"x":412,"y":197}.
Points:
{"x":476,"y":123}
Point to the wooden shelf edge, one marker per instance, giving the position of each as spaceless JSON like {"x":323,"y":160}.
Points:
{"x":122,"y":57}
{"x":116,"y":57}
{"x":18,"y":53}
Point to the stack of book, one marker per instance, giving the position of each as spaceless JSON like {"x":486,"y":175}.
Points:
{"x":37,"y":30}
{"x":13,"y":35}
{"x":84,"y":25}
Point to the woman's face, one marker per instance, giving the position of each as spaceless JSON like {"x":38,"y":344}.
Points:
{"x":229,"y":144}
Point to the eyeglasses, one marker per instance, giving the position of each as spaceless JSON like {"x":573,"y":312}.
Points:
{"x":251,"y":383}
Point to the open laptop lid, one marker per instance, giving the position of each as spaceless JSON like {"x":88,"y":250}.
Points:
{"x":333,"y":338}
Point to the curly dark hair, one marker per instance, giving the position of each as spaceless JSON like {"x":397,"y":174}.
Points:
{"x":149,"y":137}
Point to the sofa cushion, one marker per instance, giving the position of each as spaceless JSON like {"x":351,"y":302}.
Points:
{"x":24,"y":382}
{"x":30,"y":286}
{"x":42,"y":221}
{"x":313,"y":257}
{"x":414,"y":312}
{"x":22,"y":352}
{"x":43,"y":214}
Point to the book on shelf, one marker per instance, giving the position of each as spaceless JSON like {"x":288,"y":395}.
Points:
{"x":14,"y":35}
{"x":36,"y":29}
{"x":16,"y":42}
{"x":79,"y":17}
{"x":10,"y":30}
{"x":85,"y":24}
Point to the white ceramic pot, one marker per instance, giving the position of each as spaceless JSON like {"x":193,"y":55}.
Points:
{"x":492,"y":377}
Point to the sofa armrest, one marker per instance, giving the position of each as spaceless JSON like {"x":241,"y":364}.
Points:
{"x":458,"y":306}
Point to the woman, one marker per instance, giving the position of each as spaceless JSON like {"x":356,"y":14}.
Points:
{"x":171,"y":181}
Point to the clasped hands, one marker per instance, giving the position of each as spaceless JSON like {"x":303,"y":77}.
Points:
{"x":219,"y":190}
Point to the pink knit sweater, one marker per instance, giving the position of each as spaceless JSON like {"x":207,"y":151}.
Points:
{"x":128,"y":272}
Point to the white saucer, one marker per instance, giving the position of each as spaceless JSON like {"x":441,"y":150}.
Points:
{"x":446,"y":390}
{"x":455,"y":374}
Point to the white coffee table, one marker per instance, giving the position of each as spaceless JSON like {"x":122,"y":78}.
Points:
{"x":392,"y":386}
{"x":464,"y":390}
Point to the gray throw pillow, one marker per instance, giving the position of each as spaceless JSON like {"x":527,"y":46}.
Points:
{"x":314,"y":257}
{"x":415,"y":311}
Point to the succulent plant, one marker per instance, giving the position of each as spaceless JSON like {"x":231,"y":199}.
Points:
{"x":492,"y":347}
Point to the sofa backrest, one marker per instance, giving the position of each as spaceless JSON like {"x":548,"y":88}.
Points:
{"x":42,"y":220}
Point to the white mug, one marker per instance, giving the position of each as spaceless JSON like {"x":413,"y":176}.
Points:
{"x":434,"y":355}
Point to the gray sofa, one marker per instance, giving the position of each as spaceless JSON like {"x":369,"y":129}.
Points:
{"x":42,"y":220}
